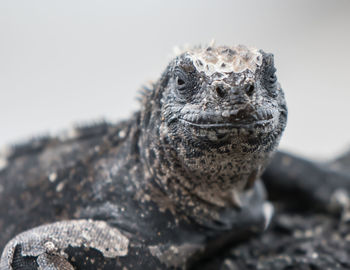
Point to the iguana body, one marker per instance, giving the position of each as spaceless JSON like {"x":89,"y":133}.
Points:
{"x":164,"y":189}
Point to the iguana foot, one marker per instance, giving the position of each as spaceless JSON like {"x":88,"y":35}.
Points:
{"x":46,"y":247}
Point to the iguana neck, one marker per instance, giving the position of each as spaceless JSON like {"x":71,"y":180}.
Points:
{"x":200,"y":180}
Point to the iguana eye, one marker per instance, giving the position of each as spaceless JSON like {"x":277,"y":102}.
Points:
{"x":182,"y":81}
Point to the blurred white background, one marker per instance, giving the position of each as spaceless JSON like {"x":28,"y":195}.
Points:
{"x":70,"y":61}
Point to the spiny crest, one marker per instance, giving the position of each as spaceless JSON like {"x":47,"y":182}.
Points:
{"x":39,"y":143}
{"x":91,"y":128}
{"x":224,"y":59}
{"x":145,"y":91}
{"x":33,"y":145}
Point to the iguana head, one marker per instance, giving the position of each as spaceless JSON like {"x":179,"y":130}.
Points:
{"x":221,"y":111}
{"x":217,"y":94}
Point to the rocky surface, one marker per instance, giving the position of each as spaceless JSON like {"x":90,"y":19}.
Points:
{"x":296,"y":240}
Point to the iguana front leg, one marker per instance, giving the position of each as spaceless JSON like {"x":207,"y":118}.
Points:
{"x":45,"y":247}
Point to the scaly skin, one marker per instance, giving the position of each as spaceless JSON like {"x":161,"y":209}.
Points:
{"x":164,"y":189}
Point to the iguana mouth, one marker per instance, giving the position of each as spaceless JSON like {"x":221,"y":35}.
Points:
{"x":243,"y":124}
{"x":231,"y":119}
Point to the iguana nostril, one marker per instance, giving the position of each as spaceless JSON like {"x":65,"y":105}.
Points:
{"x":220,"y":91}
{"x":249,"y":89}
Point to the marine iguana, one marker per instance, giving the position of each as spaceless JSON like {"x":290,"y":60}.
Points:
{"x":166,"y":188}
